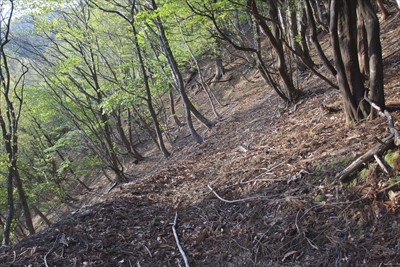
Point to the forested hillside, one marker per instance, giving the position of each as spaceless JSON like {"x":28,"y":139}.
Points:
{"x":199,"y":133}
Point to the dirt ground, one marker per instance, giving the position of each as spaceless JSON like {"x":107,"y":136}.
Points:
{"x":260,"y":191}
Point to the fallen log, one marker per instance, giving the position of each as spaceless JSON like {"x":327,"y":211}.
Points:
{"x":345,"y":175}
{"x":389,"y":142}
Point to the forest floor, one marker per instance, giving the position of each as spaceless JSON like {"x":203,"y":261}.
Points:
{"x":260,"y":191}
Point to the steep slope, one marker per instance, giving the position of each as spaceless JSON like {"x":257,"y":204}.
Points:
{"x":261,"y":190}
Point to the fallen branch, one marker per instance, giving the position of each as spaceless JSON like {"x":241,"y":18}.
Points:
{"x":389,"y":142}
{"x":185,"y":259}
{"x":344,"y":176}
{"x":303,"y":233}
{"x":383,"y":164}
{"x":266,"y":172}
{"x":384,"y":113}
{"x":242,"y":199}
{"x":50,"y":251}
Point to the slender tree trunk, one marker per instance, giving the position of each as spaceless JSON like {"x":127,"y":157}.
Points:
{"x":219,"y":67}
{"x":381,"y":5}
{"x":319,"y":14}
{"x":294,"y":42}
{"x":130,"y":129}
{"x":314,"y":38}
{"x":173,"y":112}
{"x":302,"y":26}
{"x":203,"y":83}
{"x":128,"y":145}
{"x":274,"y":36}
{"x":24,"y":202}
{"x":149,"y":102}
{"x":115,"y":163}
{"x":61,"y":156}
{"x":10,"y":212}
{"x":142,"y":122}
{"x":41,"y":215}
{"x":176,"y":75}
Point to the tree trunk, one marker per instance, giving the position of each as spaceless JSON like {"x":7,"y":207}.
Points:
{"x":302,"y":26}
{"x":274,"y":36}
{"x":128,"y":145}
{"x":177,"y":76}
{"x":203,"y":83}
{"x":293,"y":34}
{"x":23,"y":199}
{"x":314,"y":38}
{"x":10,"y":212}
{"x":149,"y":102}
{"x":371,"y":22}
{"x":338,"y":11}
{"x":219,"y":67}
{"x":319,"y":14}
{"x":347,"y":27}
{"x":173,"y":112}
{"x":385,"y":12}
{"x":41,"y":215}
{"x":362,"y":44}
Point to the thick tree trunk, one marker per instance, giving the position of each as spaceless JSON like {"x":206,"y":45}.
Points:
{"x":371,"y":22}
{"x":339,"y":9}
{"x":347,"y":31}
{"x":362,"y":44}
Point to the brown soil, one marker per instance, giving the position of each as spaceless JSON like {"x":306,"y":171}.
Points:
{"x":273,"y":165}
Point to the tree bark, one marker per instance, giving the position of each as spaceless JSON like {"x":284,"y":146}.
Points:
{"x":149,"y":101}
{"x":128,"y":145}
{"x":381,"y":5}
{"x":173,"y":112}
{"x":274,"y":36}
{"x":349,"y":103}
{"x":343,"y":30}
{"x":219,"y":67}
{"x":362,"y":44}
{"x":302,"y":26}
{"x":41,"y":215}
{"x":177,"y":76}
{"x":371,"y":22}
{"x":314,"y":39}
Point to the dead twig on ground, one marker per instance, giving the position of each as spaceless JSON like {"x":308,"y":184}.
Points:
{"x":303,"y":233}
{"x":243,"y":199}
{"x":185,"y":259}
{"x":266,"y":172}
{"x":50,"y":251}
